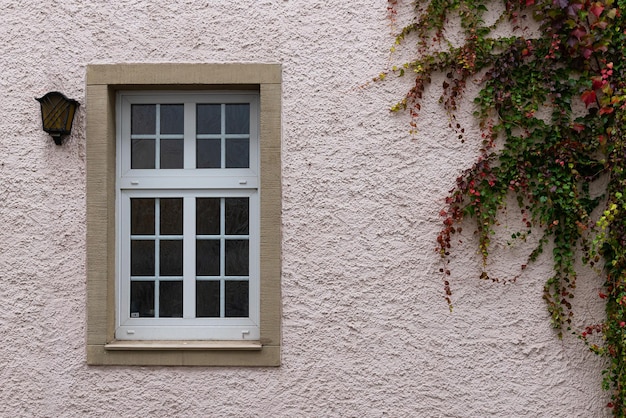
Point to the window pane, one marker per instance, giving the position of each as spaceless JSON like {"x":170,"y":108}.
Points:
{"x":142,"y":153}
{"x":207,"y":216}
{"x":171,"y":299}
{"x":207,"y":258}
{"x":207,"y":299}
{"x":142,"y":299}
{"x":142,"y":258}
{"x":172,"y":119}
{"x":171,"y":222}
{"x":208,"y":153}
{"x":209,"y":119}
{"x":237,"y":211}
{"x":236,"y":257}
{"x":236,"y":298}
{"x":237,"y":153}
{"x":171,"y":258}
{"x":143,"y":119}
{"x":172,"y":153}
{"x":142,"y":216}
{"x":238,"y":118}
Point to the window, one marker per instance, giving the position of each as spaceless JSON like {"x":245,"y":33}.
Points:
{"x":188,"y":216}
{"x":183,"y":184}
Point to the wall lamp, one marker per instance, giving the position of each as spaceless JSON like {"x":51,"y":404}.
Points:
{"x":57,"y":115}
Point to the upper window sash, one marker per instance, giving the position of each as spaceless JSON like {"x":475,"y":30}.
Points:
{"x":189,"y":175}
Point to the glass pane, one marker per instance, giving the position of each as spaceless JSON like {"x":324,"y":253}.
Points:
{"x":236,"y":216}
{"x":236,"y":257}
{"x":171,"y":222}
{"x":142,"y":216}
{"x":142,"y":153}
{"x":143,"y":119}
{"x":209,"y":119}
{"x":207,"y":216}
{"x":236,"y":298}
{"x":142,"y":299}
{"x":207,"y":257}
{"x":171,"y":299}
{"x":172,"y":153}
{"x":237,"y":153}
{"x":207,"y":299}
{"x":172,"y":119}
{"x":171,"y":258}
{"x":208,"y":153}
{"x":142,"y":258}
{"x":238,"y":118}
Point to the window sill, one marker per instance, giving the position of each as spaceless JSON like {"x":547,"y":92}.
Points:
{"x":184,"y":353}
{"x":183,"y":345}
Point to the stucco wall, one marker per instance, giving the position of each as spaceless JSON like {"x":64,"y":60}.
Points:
{"x":366,"y":331}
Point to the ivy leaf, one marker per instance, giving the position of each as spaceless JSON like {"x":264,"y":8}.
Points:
{"x":561,"y":3}
{"x":579,"y":32}
{"x":588,"y":97}
{"x":601,"y":24}
{"x":597,"y":9}
{"x":573,"y":9}
{"x":597,"y":82}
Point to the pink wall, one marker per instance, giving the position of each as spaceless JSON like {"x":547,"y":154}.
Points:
{"x":366,"y":331}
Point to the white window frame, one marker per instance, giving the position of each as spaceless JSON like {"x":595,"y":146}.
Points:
{"x":188,"y":183}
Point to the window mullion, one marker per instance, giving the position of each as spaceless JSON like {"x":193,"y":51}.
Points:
{"x":190,"y":136}
{"x":222,"y":255}
{"x":189,"y":257}
{"x":223,"y":136}
{"x":157,"y":140}
{"x":157,"y":252}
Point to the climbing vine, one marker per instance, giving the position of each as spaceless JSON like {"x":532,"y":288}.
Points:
{"x":552,"y":109}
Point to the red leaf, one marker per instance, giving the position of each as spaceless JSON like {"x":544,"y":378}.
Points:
{"x":606,"y":110}
{"x":588,"y":97}
{"x":597,"y":9}
{"x":596,"y":82}
{"x":602,"y":24}
{"x":579,"y":32}
{"x":530,"y":2}
{"x":578,"y":127}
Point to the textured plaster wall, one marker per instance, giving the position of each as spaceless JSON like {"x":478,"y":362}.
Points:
{"x":366,"y":332}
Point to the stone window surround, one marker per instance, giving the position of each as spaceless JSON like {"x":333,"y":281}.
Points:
{"x":103,"y":81}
